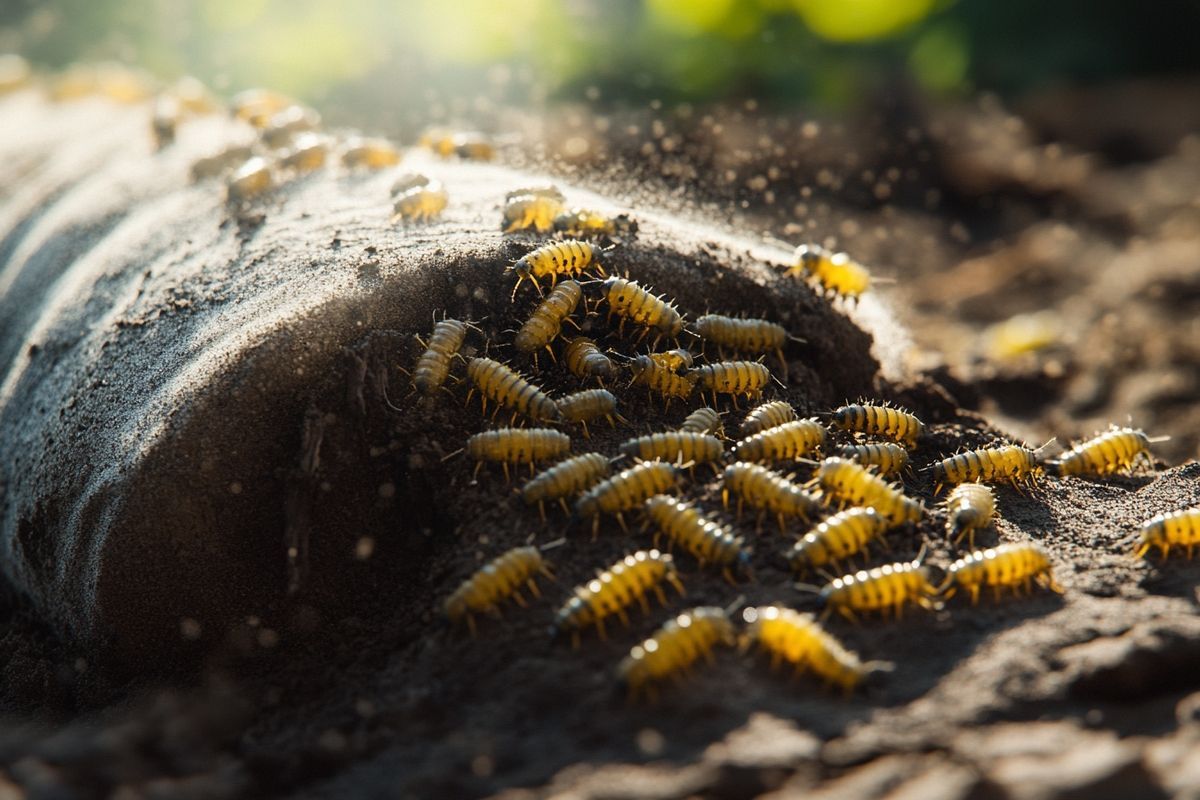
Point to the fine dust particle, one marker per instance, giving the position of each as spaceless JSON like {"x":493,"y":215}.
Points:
{"x":416,"y":461}
{"x":253,"y":621}
{"x":387,"y":490}
{"x":81,"y":665}
{"x":333,"y":741}
{"x":461,"y":290}
{"x":364,"y":548}
{"x":650,"y":742}
{"x":326,"y":486}
{"x":235,"y":487}
{"x":189,"y":629}
{"x":364,"y":708}
{"x":482,"y":766}
{"x":267,"y":638}
{"x":480,"y":294}
{"x":810,"y":130}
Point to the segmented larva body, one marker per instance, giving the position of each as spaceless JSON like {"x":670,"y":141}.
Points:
{"x":587,"y":223}
{"x":1008,"y":462}
{"x":755,"y":336}
{"x":886,"y":421}
{"x":570,"y":257}
{"x":544,"y":325}
{"x":370,"y":153}
{"x":566,"y":478}
{"x":767,"y":490}
{"x":408,"y":181}
{"x":660,"y":379}
{"x":703,"y":420}
{"x":882,"y":588}
{"x":250,"y":180}
{"x":630,"y":301}
{"x":307,"y":154}
{"x":518,"y":445}
{"x":626,"y":490}
{"x":887,"y":457}
{"x":768,"y":415}
{"x":838,"y":537}
{"x":798,"y":639}
{"x":497,"y":581}
{"x":735,"y":378}
{"x":588,"y":405}
{"x":850,"y":483}
{"x":501,"y":384}
{"x":421,"y":203}
{"x":784,"y":442}
{"x":836,"y":273}
{"x":969,"y":507}
{"x":530,"y":212}
{"x":675,"y":446}
{"x":673,"y":360}
{"x":707,"y":540}
{"x":1173,"y":529}
{"x":434,"y":364}
{"x":1012,"y":564}
{"x":548,"y":190}
{"x":586,"y":360}
{"x":674,"y":647}
{"x":1112,"y":451}
{"x":614,"y":590}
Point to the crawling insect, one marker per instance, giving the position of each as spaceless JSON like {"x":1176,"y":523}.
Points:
{"x":509,"y":389}
{"x":586,"y":360}
{"x":798,"y":639}
{"x":703,"y":420}
{"x":629,"y":300}
{"x":1175,"y":528}
{"x":369,"y":153}
{"x":284,"y":125}
{"x":548,"y":190}
{"x":708,"y":541}
{"x":769,"y":491}
{"x":879,"y":589}
{"x":625,"y":491}
{"x":517,"y":446}
{"x":250,"y":180}
{"x":784,"y":442}
{"x":969,"y":507}
{"x":221,"y":161}
{"x":1114,"y":451}
{"x":421,"y":203}
{"x":473,"y":146}
{"x":1008,"y":462}
{"x":852,"y":484}
{"x":891,"y":422}
{"x":674,"y":648}
{"x":751,"y":336}
{"x":544,"y":325}
{"x":588,"y":405}
{"x":887,"y":457}
{"x":660,"y":379}
{"x":407,"y":181}
{"x":569,"y":257}
{"x":530,"y":212}
{"x":307,"y":154}
{"x":675,"y":446}
{"x":497,"y":581}
{"x":673,"y":360}
{"x":434,"y":364}
{"x":734,"y":378}
{"x":614,"y":590}
{"x":838,"y":537}
{"x":586,"y":223}
{"x":257,"y":106}
{"x":835,"y":273}
{"x":768,"y":415}
{"x":1011,"y":564}
{"x":565,"y":479}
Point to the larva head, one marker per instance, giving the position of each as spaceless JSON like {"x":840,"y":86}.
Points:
{"x":809,"y":255}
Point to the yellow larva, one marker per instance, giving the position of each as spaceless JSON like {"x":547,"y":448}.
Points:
{"x":406,"y":181}
{"x":548,"y":190}
{"x":421,"y":203}
{"x":674,"y":647}
{"x":1113,"y":451}
{"x":675,"y":446}
{"x":518,"y":446}
{"x":850,"y":483}
{"x":625,"y":491}
{"x":473,"y":146}
{"x":836,"y":273}
{"x":370,"y":153}
{"x":768,"y":415}
{"x":570,"y":257}
{"x":891,"y":422}
{"x":544,"y":325}
{"x":565,"y":479}
{"x":887,"y":457}
{"x":969,"y":507}
{"x":1173,"y":529}
{"x":257,"y":106}
{"x":673,"y":360}
{"x":497,"y":581}
{"x":707,"y":540}
{"x":769,"y":491}
{"x":659,"y":379}
{"x":735,"y":378}
{"x":630,"y":301}
{"x":434,"y":364}
{"x":1008,"y":462}
{"x":530,"y":212}
{"x":703,"y":420}
{"x":283,"y":126}
{"x":753,"y":336}
{"x":220,"y":162}
{"x":1014,"y":565}
{"x":586,"y":360}
{"x":308,"y":153}
{"x":503,"y":385}
{"x":588,"y":405}
{"x":892,"y":586}
{"x":250,"y":180}
{"x":838,"y":537}
{"x":785,"y":442}
{"x":798,"y":639}
{"x":586,"y":223}
{"x":614,"y":590}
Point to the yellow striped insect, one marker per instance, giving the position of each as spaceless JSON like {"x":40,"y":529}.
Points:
{"x":1008,"y":462}
{"x":421,"y":203}
{"x":587,"y":223}
{"x":473,"y":146}
{"x":1113,"y":451}
{"x":835,"y":273}
{"x":674,"y":360}
{"x":530,"y":212}
{"x":748,"y":336}
{"x":849,"y":483}
{"x":257,"y":106}
{"x":675,"y":446}
{"x":434,"y":364}
{"x":544,"y":325}
{"x":659,"y":379}
{"x":1010,"y":564}
{"x":630,"y":301}
{"x":569,"y":257}
{"x":509,"y":389}
{"x":586,"y":360}
{"x":565,"y":479}
{"x":308,"y":153}
{"x":703,"y":420}
{"x":626,"y":491}
{"x":838,"y":537}
{"x":891,"y":586}
{"x":969,"y":507}
{"x":250,"y":180}
{"x":1173,"y":529}
{"x":220,"y":162}
{"x":497,"y":581}
{"x":370,"y":153}
{"x":285,"y":125}
{"x":734,"y":378}
{"x":674,"y":648}
{"x":897,"y":425}
{"x":887,"y":457}
{"x":767,"y":490}
{"x":517,"y":446}
{"x":707,"y":540}
{"x":768,"y":415}
{"x":785,"y":442}
{"x":614,"y":590}
{"x":799,"y":640}
{"x":588,"y":405}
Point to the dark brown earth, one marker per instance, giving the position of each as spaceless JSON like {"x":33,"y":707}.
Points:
{"x":258,"y":350}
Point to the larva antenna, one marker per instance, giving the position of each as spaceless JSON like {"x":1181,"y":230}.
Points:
{"x":808,"y":588}
{"x":732,"y":607}
{"x":559,"y":542}
{"x":781,"y":384}
{"x":1051,"y":441}
{"x":807,"y":461}
{"x":449,"y":456}
{"x":1158,"y":439}
{"x":920,"y":559}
